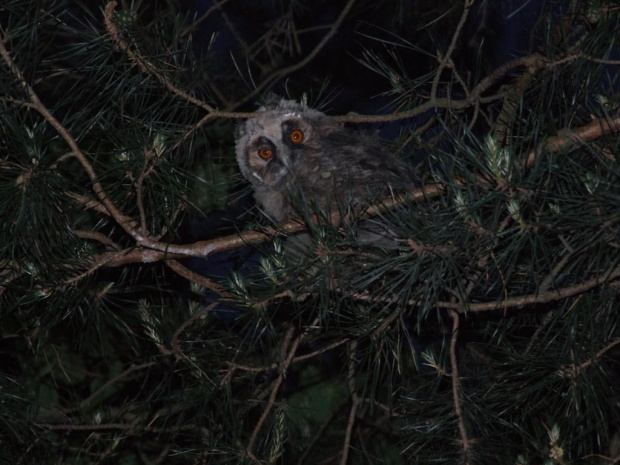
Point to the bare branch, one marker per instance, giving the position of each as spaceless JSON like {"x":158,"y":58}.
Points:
{"x":569,"y":138}
{"x":456,"y":396}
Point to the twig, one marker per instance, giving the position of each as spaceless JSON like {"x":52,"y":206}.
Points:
{"x":354,"y":403}
{"x":273,"y":366}
{"x":144,"y":65}
{"x":504,"y":120}
{"x":91,"y":204}
{"x":84,"y":403}
{"x":186,"y":324}
{"x":573,"y":371}
{"x":216,"y":6}
{"x":127,"y":428}
{"x":276,"y":387}
{"x":334,"y":413}
{"x":601,"y":60}
{"x":140,"y":194}
{"x":197,"y":278}
{"x":456,"y":385}
{"x":481,"y":87}
{"x":547,"y":282}
{"x":96,"y":236}
{"x":447,"y":58}
{"x":99,"y":262}
{"x":271,"y":80}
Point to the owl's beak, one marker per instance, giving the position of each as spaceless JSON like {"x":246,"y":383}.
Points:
{"x":287,"y":161}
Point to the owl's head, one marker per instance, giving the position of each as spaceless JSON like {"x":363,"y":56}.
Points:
{"x":270,"y":146}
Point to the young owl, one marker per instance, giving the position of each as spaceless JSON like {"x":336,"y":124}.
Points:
{"x":292,"y":153}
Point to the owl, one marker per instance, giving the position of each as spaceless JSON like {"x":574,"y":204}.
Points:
{"x":294,"y":155}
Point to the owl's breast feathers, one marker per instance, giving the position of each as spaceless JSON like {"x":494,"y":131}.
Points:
{"x":351,"y":163}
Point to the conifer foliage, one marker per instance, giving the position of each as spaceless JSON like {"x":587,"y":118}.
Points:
{"x":150,"y":315}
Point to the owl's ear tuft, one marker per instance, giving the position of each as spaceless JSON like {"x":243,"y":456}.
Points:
{"x":270,"y":101}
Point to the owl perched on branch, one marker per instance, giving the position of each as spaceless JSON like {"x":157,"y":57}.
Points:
{"x":292,"y":154}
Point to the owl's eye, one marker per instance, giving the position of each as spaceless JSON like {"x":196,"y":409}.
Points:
{"x":297,"y":136}
{"x":265,"y":153}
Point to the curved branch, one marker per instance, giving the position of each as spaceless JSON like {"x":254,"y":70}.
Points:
{"x":127,"y":223}
{"x":540,"y":298}
{"x":529,"y":61}
{"x":568,"y":137}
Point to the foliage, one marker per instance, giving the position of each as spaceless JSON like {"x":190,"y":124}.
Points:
{"x":487,"y":332}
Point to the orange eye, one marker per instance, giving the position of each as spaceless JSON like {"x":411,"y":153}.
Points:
{"x":297,"y":136}
{"x":265,"y":153}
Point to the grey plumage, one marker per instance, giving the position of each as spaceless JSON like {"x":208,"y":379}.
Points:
{"x":293,"y":152}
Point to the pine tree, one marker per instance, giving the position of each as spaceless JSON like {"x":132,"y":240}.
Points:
{"x":149,"y":315}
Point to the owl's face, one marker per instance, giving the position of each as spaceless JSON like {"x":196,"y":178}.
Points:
{"x":270,"y":146}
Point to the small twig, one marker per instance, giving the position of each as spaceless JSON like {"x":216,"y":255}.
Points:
{"x":603,"y":61}
{"x":192,"y":27}
{"x":271,"y":80}
{"x":475,"y":95}
{"x":276,"y":387}
{"x":144,"y":65}
{"x":90,"y":204}
{"x":421,"y":249}
{"x":186,"y":324}
{"x":573,"y":371}
{"x":334,"y":413}
{"x":190,"y":275}
{"x":15,"y":101}
{"x":99,"y":262}
{"x":85,"y":403}
{"x":140,"y":194}
{"x":448,"y":56}
{"x":538,"y":332}
{"x":503,"y":123}
{"x":273,"y":366}
{"x":456,"y":396}
{"x":127,"y":428}
{"x":150,"y":69}
{"x":96,"y":236}
{"x":355,"y":401}
{"x":611,"y":460}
